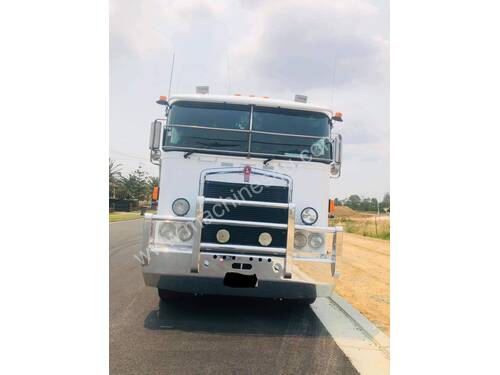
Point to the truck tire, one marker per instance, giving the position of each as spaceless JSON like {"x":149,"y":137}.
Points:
{"x":308,"y":301}
{"x":168,"y":295}
{"x":302,"y":301}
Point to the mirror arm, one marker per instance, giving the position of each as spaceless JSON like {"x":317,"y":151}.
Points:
{"x":337,"y":154}
{"x":339,"y":137}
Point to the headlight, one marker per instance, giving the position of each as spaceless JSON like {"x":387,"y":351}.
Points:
{"x":167,"y":231}
{"x":185,"y":232}
{"x":180,"y":207}
{"x":173,"y":233}
{"x":316,"y":240}
{"x":300,"y":240}
{"x":309,"y":216}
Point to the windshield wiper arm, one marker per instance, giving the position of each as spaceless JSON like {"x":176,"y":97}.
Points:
{"x":267,"y":161}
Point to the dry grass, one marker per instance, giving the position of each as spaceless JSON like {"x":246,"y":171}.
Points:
{"x":376,"y":226}
{"x":344,"y":211}
{"x":367,"y":224}
{"x":363,"y":266}
{"x":364,"y":277}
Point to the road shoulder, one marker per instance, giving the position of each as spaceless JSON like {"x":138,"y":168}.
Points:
{"x":366,"y":346}
{"x":361,"y":341}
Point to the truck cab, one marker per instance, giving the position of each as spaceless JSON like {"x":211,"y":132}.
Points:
{"x":243,"y":197}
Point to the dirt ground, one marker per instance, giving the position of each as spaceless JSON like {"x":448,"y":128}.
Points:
{"x":364,"y":277}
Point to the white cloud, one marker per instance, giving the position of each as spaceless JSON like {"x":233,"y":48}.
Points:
{"x":292,"y":46}
{"x":274,"y":48}
{"x":142,"y":28}
{"x":134,"y":28}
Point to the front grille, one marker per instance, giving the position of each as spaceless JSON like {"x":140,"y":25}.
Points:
{"x":245,"y":235}
{"x":231,"y":190}
{"x":245,"y":213}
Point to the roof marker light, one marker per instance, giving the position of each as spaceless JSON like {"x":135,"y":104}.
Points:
{"x":301,"y":98}
{"x":237,"y":94}
{"x":202,"y":89}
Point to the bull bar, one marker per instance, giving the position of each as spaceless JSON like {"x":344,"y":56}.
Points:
{"x":289,"y":253}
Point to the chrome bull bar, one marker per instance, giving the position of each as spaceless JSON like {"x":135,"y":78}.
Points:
{"x":287,"y":253}
{"x":200,"y":221}
{"x":290,"y":254}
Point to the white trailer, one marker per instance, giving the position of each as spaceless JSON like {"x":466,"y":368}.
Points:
{"x":243,"y":197}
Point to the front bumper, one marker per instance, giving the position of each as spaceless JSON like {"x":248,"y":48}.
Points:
{"x":201,"y":268}
{"x":170,"y":269}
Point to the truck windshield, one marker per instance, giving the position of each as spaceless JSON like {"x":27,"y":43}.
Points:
{"x":228,"y":129}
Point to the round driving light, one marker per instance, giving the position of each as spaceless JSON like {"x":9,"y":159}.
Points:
{"x":265,"y":239}
{"x":223,"y":235}
{"x":180,"y":207}
{"x":167,"y":231}
{"x":316,"y":240}
{"x":309,"y":216}
{"x":185,"y":232}
{"x":300,"y":240}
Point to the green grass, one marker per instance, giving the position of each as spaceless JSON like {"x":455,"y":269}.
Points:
{"x":121,"y":216}
{"x":372,"y":227}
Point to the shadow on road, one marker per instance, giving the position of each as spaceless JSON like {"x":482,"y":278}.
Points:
{"x":235,"y":315}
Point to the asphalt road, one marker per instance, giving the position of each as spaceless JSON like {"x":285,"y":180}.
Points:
{"x":207,"y":335}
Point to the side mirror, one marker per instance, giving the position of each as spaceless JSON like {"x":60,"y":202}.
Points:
{"x":336,"y":164}
{"x":155,"y":135}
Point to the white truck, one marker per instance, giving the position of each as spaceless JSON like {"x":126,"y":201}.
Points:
{"x":243,"y":197}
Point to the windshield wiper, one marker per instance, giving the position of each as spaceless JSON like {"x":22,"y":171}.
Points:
{"x":267,"y":161}
{"x":187,"y":154}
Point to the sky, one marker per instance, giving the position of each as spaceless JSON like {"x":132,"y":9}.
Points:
{"x":334,"y":51}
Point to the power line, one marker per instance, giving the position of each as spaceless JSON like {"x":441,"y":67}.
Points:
{"x":129,"y":156}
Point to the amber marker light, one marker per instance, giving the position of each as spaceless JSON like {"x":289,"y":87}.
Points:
{"x":331,"y":206}
{"x":162,"y":100}
{"x":338,"y":117}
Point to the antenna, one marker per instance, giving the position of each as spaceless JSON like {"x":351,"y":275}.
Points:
{"x":228,"y":68}
{"x":171,"y":74}
{"x":333,"y":77}
{"x":228,"y":72}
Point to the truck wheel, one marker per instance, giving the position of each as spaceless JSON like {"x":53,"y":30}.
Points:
{"x":308,"y":301}
{"x":168,"y":295}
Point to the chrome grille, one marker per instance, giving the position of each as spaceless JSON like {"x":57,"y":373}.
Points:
{"x":231,"y":190}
